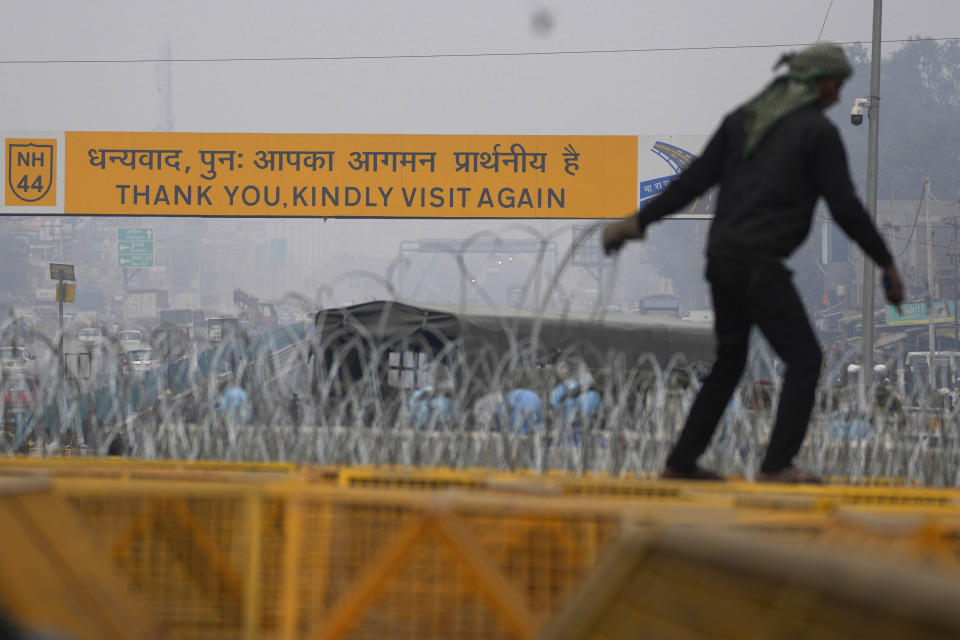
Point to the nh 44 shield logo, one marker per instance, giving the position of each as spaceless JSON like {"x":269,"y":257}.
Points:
{"x":31,"y":172}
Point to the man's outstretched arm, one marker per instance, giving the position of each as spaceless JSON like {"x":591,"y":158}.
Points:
{"x":833,"y":181}
{"x":703,"y":173}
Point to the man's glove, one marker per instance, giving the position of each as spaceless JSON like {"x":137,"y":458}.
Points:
{"x":614,"y":235}
{"x":893,"y":286}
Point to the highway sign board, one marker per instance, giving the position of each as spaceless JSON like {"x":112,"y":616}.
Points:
{"x":138,"y":247}
{"x":139,"y":234}
{"x":135,"y":260}
{"x":61,"y":271}
{"x":135,"y":247}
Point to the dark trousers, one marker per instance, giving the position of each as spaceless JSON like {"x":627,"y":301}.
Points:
{"x":744,"y":295}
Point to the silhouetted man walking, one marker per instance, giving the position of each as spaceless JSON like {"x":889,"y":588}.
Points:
{"x":773,"y":158}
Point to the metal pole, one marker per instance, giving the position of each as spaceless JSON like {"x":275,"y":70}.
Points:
{"x":873,"y":113}
{"x":60,"y":359}
{"x":932,"y":332}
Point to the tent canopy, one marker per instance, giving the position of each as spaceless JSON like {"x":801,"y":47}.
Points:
{"x":477,"y":329}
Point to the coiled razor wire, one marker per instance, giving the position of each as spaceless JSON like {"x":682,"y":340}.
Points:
{"x":342,"y":398}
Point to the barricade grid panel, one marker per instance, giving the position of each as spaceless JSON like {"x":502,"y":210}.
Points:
{"x":430,"y":597}
{"x":314,"y":578}
{"x":359,"y":533}
{"x":274,"y":537}
{"x":186,"y":557}
{"x":545,"y":555}
{"x":341,"y":540}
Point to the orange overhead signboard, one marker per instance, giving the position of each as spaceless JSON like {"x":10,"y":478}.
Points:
{"x":350,"y":175}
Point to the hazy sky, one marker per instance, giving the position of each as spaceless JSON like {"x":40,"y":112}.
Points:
{"x":450,"y":89}
{"x":662,"y":93}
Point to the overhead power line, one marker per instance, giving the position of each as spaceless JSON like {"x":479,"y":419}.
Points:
{"x":830,"y":6}
{"x":923,"y":196}
{"x":908,"y":239}
{"x":423,"y":56}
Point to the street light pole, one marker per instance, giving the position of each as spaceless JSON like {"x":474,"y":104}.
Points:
{"x":873,"y":113}
{"x":931,"y":289}
{"x":61,"y":362}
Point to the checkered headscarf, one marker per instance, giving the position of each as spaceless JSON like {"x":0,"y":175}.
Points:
{"x":794,"y":89}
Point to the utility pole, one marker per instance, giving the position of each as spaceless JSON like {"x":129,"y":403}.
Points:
{"x":61,"y":360}
{"x":932,"y":332}
{"x":953,"y":222}
{"x":61,"y":272}
{"x":873,"y":113}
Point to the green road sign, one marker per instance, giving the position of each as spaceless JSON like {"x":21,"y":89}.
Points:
{"x":141,"y":234}
{"x":135,"y":247}
{"x":135,"y":260}
{"x":138,"y":247}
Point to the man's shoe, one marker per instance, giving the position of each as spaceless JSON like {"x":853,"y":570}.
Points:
{"x":789,"y":475}
{"x":696,"y":473}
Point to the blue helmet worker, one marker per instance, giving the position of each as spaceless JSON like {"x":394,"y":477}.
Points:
{"x":234,"y":405}
{"x":575,"y":399}
{"x":431,"y":407}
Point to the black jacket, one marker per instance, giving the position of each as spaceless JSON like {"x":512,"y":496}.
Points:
{"x":765,"y":204}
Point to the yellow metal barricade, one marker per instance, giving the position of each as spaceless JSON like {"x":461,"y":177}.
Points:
{"x":117,"y":467}
{"x":52,"y":579}
{"x":694,"y":584}
{"x":873,"y":494}
{"x":234,"y":551}
{"x":290,"y":560}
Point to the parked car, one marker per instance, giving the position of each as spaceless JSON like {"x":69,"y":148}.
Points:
{"x":90,"y":337}
{"x":16,"y":359}
{"x":138,"y":361}
{"x":129,"y":339}
{"x":19,"y":395}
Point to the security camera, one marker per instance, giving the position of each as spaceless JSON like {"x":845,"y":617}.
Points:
{"x":856,"y":113}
